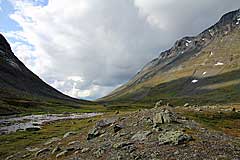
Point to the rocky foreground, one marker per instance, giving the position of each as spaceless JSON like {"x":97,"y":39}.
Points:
{"x":157,"y":133}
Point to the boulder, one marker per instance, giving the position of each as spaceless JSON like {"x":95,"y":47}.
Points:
{"x":141,"y":135}
{"x":158,"y":103}
{"x":69,"y":134}
{"x":85,"y":150}
{"x":42,"y":151}
{"x":63,"y":153}
{"x":170,"y":105}
{"x":174,"y":137}
{"x":95,"y":132}
{"x":74,"y":143}
{"x":56,"y":149}
{"x":30,"y":149}
{"x":99,"y":153}
{"x":186,"y":105}
{"x":105,"y":122}
{"x":9,"y":157}
{"x":122,"y":144}
{"x":198,"y":109}
{"x":52,"y":140}
{"x":73,"y":146}
{"x":117,"y":128}
{"x":165,"y":116}
{"x":30,"y":129}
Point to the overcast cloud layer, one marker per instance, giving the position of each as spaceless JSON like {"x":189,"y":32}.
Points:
{"x":86,"y":48}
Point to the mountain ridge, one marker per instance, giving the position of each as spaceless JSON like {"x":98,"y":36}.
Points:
{"x":183,"y":50}
{"x":18,"y":83}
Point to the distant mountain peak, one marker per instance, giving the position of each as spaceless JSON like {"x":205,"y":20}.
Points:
{"x":230,"y":17}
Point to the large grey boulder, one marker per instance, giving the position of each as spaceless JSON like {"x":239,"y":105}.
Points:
{"x":95,"y":132}
{"x":122,"y":144}
{"x":105,"y":122}
{"x":158,"y":103}
{"x":186,"y":105}
{"x":69,"y":134}
{"x":164,"y":116}
{"x":61,"y":154}
{"x":141,"y":135}
{"x":52,"y":140}
{"x":42,"y":151}
{"x":56,"y":149}
{"x":174,"y":137}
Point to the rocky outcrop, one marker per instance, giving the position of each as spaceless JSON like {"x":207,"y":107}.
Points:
{"x":141,"y":135}
{"x":69,"y":134}
{"x":42,"y":151}
{"x":134,"y":136}
{"x":173,"y":137}
{"x":95,"y":132}
{"x":164,"y":116}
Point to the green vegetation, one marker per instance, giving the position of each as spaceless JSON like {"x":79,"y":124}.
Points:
{"x":32,"y":107}
{"x":20,"y":140}
{"x":227,"y":122}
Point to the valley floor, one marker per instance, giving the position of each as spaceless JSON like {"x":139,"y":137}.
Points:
{"x":163,"y":132}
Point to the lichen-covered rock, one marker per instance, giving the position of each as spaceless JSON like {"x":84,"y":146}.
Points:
{"x":159,"y":103}
{"x":74,"y":143}
{"x":174,"y":137}
{"x":141,"y":135}
{"x":186,"y":105}
{"x":98,"y":153}
{"x":93,"y":133}
{"x":69,"y":134}
{"x":63,"y":153}
{"x":56,"y":149}
{"x":85,"y":150}
{"x":117,"y":128}
{"x":121,"y":144}
{"x":42,"y":151}
{"x":165,"y":116}
{"x":105,"y":122}
{"x":52,"y":140}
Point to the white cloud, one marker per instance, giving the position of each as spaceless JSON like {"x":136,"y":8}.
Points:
{"x":85,"y":48}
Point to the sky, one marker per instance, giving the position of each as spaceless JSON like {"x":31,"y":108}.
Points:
{"x":87,"y":48}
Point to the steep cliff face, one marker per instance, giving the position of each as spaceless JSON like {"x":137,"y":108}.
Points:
{"x":189,"y":65}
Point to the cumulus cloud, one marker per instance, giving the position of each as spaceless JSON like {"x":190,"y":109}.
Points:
{"x":86,"y":48}
{"x":185,"y":16}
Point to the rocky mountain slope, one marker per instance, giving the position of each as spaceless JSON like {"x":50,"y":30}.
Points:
{"x":17,"y":82}
{"x":162,"y":133}
{"x":201,"y":69}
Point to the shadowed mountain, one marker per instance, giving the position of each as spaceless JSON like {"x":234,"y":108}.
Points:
{"x":18,"y":83}
{"x":187,"y":70}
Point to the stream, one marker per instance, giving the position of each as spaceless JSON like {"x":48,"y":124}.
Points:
{"x":34,"y":122}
